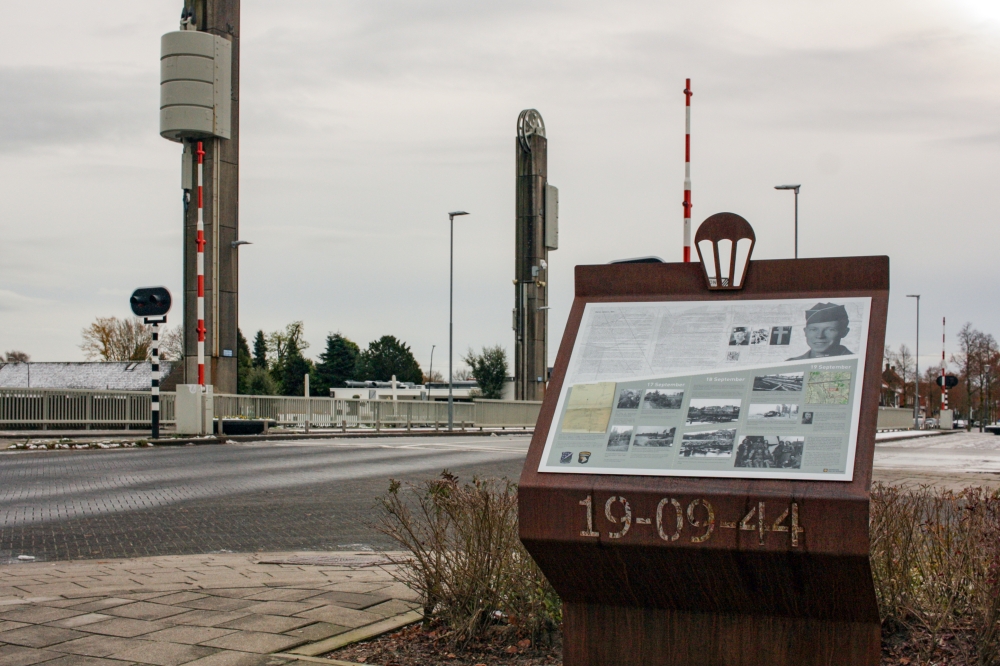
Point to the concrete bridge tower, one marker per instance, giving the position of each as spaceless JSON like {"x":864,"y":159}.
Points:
{"x":537,"y":232}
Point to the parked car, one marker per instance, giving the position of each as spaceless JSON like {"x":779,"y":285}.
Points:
{"x":959,"y":424}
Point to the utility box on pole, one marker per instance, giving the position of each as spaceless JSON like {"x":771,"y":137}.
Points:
{"x":195,"y":85}
{"x":551,"y":217}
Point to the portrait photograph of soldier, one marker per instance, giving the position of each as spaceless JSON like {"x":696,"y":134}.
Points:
{"x":739,"y":336}
{"x":826,"y":325}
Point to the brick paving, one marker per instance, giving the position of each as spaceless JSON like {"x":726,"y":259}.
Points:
{"x":240,"y":498}
{"x":201,"y":610}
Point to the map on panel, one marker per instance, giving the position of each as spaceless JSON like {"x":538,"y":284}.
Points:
{"x":746,"y":389}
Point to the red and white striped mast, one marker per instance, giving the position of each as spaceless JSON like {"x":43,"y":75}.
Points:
{"x":201,"y":267}
{"x":944,"y":386}
{"x":687,"y":170}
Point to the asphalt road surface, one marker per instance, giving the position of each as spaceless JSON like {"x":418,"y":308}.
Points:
{"x":305,"y":495}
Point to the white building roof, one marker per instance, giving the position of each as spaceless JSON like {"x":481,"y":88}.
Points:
{"x":126,"y":376}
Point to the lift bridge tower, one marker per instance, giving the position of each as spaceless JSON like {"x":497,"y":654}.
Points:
{"x":537,"y":232}
{"x":199,"y":108}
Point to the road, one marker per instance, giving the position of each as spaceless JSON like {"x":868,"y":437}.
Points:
{"x":954,"y":461}
{"x":303,"y":495}
{"x":292,"y":495}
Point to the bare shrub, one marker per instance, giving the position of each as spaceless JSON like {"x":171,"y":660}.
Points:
{"x":466,"y":560}
{"x":935,"y":560}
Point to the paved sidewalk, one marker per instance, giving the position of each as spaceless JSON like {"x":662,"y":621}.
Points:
{"x":203,"y":610}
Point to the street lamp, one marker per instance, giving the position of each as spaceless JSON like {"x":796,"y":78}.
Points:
{"x":916,"y":369}
{"x":451,"y":308}
{"x":796,"y":188}
{"x":430,"y":373}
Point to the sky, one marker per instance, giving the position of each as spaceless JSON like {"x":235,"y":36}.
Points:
{"x":364,"y":123}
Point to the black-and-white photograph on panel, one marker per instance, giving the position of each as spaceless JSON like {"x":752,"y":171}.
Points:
{"x":770,"y":452}
{"x":663,"y":399}
{"x":771,"y":413}
{"x":785,"y":381}
{"x":654,"y":437}
{"x":708,"y":444}
{"x":619,"y":438}
{"x":629,"y":398}
{"x":708,"y":411}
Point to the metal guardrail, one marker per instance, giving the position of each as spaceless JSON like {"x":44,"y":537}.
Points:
{"x":333,"y":412}
{"x":82,"y":408}
{"x":74,"y":408}
{"x":894,"y":418}
{"x":500,"y":413}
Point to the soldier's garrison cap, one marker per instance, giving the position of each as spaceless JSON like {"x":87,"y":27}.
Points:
{"x":822,"y":312}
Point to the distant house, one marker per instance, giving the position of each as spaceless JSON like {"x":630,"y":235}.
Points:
{"x":893,"y":392}
{"x":123,"y":376}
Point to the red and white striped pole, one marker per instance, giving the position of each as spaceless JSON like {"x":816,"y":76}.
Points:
{"x":201,"y":267}
{"x":944,"y":387}
{"x":687,"y":170}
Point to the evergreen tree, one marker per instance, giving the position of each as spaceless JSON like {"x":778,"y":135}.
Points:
{"x":259,"y":350}
{"x":490,"y":370}
{"x":336,"y":364}
{"x":294,"y":368}
{"x":386,"y":357}
{"x":243,"y":363}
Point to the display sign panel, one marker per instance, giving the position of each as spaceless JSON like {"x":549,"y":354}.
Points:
{"x":736,"y":388}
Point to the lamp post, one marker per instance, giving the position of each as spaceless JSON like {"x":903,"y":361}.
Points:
{"x":796,"y":189}
{"x":451,"y":309}
{"x":430,"y":373}
{"x":916,"y":369}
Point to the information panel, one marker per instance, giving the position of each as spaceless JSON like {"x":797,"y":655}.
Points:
{"x":746,"y":389}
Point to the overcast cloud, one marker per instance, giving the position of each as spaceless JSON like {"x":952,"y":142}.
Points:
{"x":363,"y":124}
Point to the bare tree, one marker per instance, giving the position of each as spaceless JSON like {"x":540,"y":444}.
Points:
{"x":979,"y":360}
{"x":902,"y":360}
{"x":172,"y":344}
{"x":18,"y":357}
{"x":965,"y":359}
{"x":114,"y":339}
{"x":278,"y":341}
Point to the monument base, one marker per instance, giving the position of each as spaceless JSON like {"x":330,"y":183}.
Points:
{"x":596,"y":635}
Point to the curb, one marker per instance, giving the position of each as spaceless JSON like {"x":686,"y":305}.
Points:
{"x":233,"y":439}
{"x":364,"y":633}
{"x":337,"y":435}
{"x":319,"y":660}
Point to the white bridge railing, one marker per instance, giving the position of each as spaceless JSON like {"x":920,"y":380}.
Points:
{"x":72,"y":408}
{"x":80,"y":408}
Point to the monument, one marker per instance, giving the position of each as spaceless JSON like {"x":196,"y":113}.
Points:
{"x":697,"y":487}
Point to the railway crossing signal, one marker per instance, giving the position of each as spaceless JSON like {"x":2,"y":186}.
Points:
{"x":152,"y":304}
{"x":950,"y":381}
